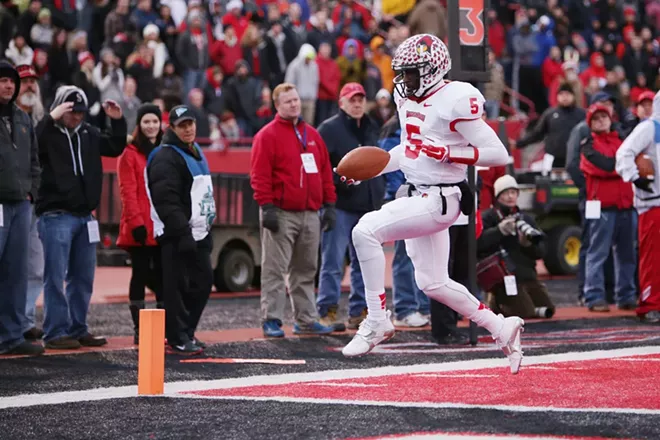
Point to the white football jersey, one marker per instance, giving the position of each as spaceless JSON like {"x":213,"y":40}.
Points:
{"x":431,"y":121}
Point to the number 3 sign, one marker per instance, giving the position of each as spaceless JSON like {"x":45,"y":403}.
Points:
{"x":468,"y":40}
{"x":471,"y":24}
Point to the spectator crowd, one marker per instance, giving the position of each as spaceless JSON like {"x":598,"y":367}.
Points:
{"x":580,"y":69}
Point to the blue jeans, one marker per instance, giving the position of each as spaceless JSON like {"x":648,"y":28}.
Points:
{"x":70,"y":257}
{"x":609,"y":264}
{"x":324,"y":110}
{"x":14,"y":239}
{"x":492,"y":109}
{"x":615,"y":230}
{"x":333,"y":250}
{"x":35,"y":275}
{"x":192,"y":79}
{"x":406,"y":296}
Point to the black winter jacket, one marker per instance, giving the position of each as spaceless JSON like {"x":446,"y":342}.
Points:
{"x":555,"y":125}
{"x":341,"y":134}
{"x":19,"y":158}
{"x":169,"y":183}
{"x":72,"y":174}
{"x":523,"y":258}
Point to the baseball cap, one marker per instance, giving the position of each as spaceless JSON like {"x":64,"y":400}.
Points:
{"x":179,"y":114}
{"x":78,"y":100}
{"x":26,"y":71}
{"x":351,"y":89}
{"x":644,"y":96}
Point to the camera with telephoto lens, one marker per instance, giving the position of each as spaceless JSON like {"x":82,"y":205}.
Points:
{"x":530,"y":232}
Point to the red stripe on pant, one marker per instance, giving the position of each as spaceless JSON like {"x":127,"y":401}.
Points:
{"x":648,"y":234}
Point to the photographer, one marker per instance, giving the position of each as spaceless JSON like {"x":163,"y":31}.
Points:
{"x":508,"y":229}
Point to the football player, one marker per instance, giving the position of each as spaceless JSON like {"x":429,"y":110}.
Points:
{"x":442,"y":132}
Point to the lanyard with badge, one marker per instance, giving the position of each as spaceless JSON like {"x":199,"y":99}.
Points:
{"x":308,"y":160}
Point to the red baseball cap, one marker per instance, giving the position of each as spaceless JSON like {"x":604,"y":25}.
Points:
{"x":351,"y":89}
{"x":645,"y":95}
{"x":26,"y":71}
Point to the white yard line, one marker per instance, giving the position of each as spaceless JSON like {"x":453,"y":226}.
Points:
{"x":174,"y":388}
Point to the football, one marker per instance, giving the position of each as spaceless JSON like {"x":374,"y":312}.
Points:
{"x":363,"y":163}
{"x":645,"y":166}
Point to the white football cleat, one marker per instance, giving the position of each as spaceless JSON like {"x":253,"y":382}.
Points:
{"x":415,"y":319}
{"x":509,"y":341}
{"x":370,"y":334}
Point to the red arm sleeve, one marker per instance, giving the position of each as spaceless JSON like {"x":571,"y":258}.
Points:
{"x":128,"y":187}
{"x":329,"y":194}
{"x":261,"y":168}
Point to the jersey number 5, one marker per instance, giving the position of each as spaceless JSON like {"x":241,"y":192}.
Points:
{"x":413,"y":141}
{"x":414,"y":144}
{"x":474,"y":106}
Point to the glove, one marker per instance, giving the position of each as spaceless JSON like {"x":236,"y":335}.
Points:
{"x":140,"y":235}
{"x":187,"y":245}
{"x":269,"y":218}
{"x":507,"y":226}
{"x":644,"y":184}
{"x":346,"y":181}
{"x":329,"y":218}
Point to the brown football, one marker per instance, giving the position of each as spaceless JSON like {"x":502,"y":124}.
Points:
{"x":645,"y":166}
{"x":363,"y":163}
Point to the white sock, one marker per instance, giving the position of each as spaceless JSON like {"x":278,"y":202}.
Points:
{"x":459,"y":299}
{"x":376,"y":304}
{"x":372,"y":264}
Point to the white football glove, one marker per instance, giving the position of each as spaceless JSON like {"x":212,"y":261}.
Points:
{"x":346,"y":180}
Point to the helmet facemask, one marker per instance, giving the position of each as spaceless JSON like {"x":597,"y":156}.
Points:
{"x":415,"y":81}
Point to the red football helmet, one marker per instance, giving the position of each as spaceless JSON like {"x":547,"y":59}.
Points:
{"x":420,"y":62}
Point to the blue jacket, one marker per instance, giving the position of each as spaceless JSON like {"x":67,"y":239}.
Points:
{"x":341,"y":134}
{"x":395,"y":179}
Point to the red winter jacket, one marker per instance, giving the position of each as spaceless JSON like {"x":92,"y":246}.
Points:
{"x":277,"y":174}
{"x":226,"y":56}
{"x":597,"y":164}
{"x":135,"y":207}
{"x":487,"y":193}
{"x":478,"y":224}
{"x":550,"y":70}
{"x":329,"y":79}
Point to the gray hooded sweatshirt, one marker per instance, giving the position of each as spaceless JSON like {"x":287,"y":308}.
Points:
{"x":304,"y":75}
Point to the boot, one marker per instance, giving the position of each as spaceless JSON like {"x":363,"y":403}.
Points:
{"x":135,"y":307}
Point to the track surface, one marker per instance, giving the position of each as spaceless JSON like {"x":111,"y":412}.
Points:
{"x":583,"y":378}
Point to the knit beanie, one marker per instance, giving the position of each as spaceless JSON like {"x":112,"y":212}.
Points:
{"x":148,"y":108}
{"x":565,"y":87}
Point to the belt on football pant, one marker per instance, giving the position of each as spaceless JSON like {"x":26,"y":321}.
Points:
{"x":467,"y":198}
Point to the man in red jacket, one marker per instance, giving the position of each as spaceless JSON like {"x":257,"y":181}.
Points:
{"x":292,"y":180}
{"x":609,"y":211}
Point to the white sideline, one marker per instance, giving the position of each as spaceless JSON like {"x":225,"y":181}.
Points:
{"x":173,"y":388}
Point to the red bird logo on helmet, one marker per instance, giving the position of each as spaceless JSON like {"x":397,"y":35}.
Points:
{"x":423,"y":46}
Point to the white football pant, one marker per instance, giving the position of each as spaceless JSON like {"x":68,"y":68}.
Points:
{"x":419,"y":220}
